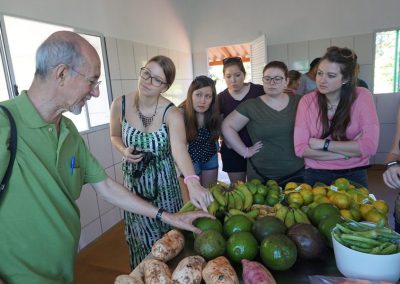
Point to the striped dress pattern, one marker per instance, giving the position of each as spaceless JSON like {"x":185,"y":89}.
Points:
{"x":157,"y":184}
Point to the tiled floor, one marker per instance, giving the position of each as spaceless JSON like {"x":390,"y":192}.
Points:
{"x":107,"y":257}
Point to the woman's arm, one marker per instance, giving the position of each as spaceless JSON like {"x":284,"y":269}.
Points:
{"x":391,"y":176}
{"x":231,"y":126}
{"x":199,"y":195}
{"x":116,"y":133}
{"x":118,"y":195}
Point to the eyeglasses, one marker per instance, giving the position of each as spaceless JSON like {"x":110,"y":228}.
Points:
{"x":94,"y":83}
{"x":269,"y":80}
{"x":146,"y":74}
{"x":232,"y":59}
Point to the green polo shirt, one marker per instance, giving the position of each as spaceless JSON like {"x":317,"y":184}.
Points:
{"x":39,"y":219}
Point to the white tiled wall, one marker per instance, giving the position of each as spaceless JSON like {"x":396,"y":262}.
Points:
{"x":125,"y":59}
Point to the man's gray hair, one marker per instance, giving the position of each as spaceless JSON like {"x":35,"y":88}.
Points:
{"x":55,"y":51}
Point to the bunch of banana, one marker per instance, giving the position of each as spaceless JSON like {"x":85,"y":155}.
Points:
{"x":235,"y":197}
{"x":291,"y":216}
{"x":188,"y":207}
{"x":264,"y":210}
{"x":252,"y":215}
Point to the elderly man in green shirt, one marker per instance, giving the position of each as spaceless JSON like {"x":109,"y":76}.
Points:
{"x":39,"y":219}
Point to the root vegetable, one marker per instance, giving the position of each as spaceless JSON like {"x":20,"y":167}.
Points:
{"x":256,"y":273}
{"x":156,"y":272}
{"x":169,"y":246}
{"x":189,"y":270}
{"x":126,"y":279}
{"x":219,"y":271}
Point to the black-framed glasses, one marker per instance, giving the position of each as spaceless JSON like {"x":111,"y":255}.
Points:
{"x":232,"y":59}
{"x":275,"y":80}
{"x":93,"y":83}
{"x":154,"y":80}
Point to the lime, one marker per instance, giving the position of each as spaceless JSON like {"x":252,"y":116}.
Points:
{"x":258,"y":199}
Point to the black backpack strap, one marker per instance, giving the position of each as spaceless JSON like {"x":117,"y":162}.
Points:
{"x":12,"y":148}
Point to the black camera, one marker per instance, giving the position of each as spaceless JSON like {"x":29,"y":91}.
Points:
{"x":142,"y":165}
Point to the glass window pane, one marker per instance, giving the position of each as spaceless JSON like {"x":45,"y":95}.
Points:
{"x":99,"y":108}
{"x":385,"y":46}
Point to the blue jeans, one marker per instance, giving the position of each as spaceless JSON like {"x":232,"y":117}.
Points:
{"x":358,"y":176}
{"x":211,"y":164}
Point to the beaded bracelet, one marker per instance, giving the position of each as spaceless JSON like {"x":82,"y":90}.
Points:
{"x":190,"y":177}
{"x":159,"y":213}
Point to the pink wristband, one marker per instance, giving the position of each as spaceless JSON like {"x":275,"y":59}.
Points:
{"x":189,"y":177}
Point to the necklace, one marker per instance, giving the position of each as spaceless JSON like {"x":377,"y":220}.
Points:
{"x":331,"y":107}
{"x":146,"y":120}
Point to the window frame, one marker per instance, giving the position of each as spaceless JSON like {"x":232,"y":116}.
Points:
{"x":10,"y":75}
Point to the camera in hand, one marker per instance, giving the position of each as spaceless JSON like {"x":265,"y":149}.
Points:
{"x":142,"y":165}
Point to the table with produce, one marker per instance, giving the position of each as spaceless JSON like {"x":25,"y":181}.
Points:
{"x":264,"y":233}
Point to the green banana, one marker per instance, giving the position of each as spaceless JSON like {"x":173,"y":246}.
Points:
{"x":238,"y":200}
{"x":289,"y":219}
{"x":187,"y":207}
{"x":281,"y":213}
{"x":233,"y":212}
{"x":253,"y":213}
{"x":300,"y":216}
{"x":218,"y":195}
{"x":248,"y":197}
{"x":213,"y":207}
{"x":231,"y":200}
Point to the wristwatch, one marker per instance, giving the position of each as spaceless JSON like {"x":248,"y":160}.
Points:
{"x":392,"y":163}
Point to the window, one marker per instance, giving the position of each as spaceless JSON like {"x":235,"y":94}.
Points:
{"x":386,"y":68}
{"x":24,"y":37}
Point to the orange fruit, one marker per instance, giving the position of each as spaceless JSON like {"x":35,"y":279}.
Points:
{"x":307,"y":195}
{"x":342,"y":183}
{"x":365,"y":208}
{"x":381,"y":206}
{"x":321,"y":199}
{"x":345,"y":213}
{"x":363,"y":191}
{"x":319,"y":190}
{"x":341,"y":200}
{"x":295,"y":197}
{"x":306,"y":186}
{"x":356,"y":214}
{"x":290,"y":185}
{"x":374,"y":215}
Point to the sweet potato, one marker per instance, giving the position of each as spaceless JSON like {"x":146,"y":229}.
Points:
{"x":256,"y":273}
{"x":189,"y":270}
{"x":126,"y":279}
{"x":219,"y":271}
{"x":137,"y":274}
{"x":169,"y":246}
{"x":156,"y":272}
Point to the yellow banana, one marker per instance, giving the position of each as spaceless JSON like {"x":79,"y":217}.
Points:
{"x":238,"y":200}
{"x":281,"y":213}
{"x":187,"y":207}
{"x":218,"y":195}
{"x":213,"y":207}
{"x":300,"y":216}
{"x":248,"y":197}
{"x":289,"y":219}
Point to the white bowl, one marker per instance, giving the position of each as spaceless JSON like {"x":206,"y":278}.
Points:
{"x":355,"y":264}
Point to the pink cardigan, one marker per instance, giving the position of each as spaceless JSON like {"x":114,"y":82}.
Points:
{"x":363,"y":119}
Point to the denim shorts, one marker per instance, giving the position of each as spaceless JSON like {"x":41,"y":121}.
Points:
{"x":358,"y":176}
{"x":211,"y":164}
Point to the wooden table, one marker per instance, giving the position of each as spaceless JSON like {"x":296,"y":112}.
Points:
{"x":297,"y":274}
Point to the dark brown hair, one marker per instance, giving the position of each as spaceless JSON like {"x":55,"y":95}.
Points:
{"x":233,"y":61}
{"x":347,"y":61}
{"x":167,"y":66}
{"x":211,"y":116}
{"x":279,"y":65}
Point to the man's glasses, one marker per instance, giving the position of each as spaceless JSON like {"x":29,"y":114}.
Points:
{"x":155,"y":81}
{"x":93,"y":83}
{"x":231,"y":59}
{"x":275,"y":80}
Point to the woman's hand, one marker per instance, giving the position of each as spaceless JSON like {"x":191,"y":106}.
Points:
{"x":128,"y":154}
{"x":251,"y":151}
{"x":199,"y":195}
{"x":391,"y":177}
{"x":184,"y":220}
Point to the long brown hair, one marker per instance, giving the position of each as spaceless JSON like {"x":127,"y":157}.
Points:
{"x":211,"y":116}
{"x":167,"y":66}
{"x":347,"y":61}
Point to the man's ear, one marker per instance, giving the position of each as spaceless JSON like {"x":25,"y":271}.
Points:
{"x":61,"y":71}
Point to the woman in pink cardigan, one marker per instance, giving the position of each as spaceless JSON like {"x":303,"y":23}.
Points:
{"x":337,"y":128}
